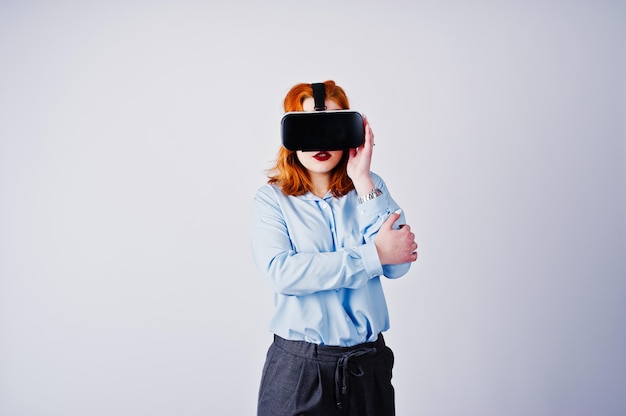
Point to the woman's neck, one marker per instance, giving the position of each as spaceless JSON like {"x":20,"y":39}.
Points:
{"x":320,"y":184}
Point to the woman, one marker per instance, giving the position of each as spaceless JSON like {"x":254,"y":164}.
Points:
{"x":324,"y":232}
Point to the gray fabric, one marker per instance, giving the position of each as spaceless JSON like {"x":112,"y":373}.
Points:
{"x":300,"y":378}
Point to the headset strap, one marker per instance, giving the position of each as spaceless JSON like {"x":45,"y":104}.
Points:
{"x":319,"y":95}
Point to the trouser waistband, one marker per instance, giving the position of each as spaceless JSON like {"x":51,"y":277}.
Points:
{"x":324,"y":352}
{"x":340,"y":355}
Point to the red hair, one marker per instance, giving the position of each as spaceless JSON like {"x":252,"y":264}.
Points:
{"x":288,"y":173}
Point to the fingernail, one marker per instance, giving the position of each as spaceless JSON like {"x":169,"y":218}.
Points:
{"x":398,"y":211}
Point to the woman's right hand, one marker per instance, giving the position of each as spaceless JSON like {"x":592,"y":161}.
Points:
{"x":395,"y":246}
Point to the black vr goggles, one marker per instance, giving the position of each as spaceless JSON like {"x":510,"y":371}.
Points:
{"x":321,"y":129}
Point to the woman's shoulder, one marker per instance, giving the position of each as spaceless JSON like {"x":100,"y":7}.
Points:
{"x":268,"y":189}
{"x":270,"y":193}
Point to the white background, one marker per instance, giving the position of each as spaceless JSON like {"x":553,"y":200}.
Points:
{"x":133,"y":135}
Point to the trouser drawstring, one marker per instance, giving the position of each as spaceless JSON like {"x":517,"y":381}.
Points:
{"x":342,"y":369}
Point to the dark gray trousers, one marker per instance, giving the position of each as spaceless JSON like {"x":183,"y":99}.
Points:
{"x":300,"y":378}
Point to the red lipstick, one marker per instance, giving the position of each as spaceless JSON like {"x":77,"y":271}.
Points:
{"x":322,"y":156}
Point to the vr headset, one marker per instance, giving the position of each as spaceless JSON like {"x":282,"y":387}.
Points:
{"x":321,"y":129}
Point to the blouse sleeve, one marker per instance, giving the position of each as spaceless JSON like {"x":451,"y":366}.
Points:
{"x":299,"y":273}
{"x":373,"y":214}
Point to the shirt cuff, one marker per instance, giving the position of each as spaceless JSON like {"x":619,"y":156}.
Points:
{"x":369,"y":255}
{"x":374,"y":206}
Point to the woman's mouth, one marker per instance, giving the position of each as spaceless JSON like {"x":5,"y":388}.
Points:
{"x":322,"y":156}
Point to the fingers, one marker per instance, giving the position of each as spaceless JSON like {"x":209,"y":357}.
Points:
{"x":393,"y":217}
{"x":395,"y":245}
{"x":414,"y":250}
{"x":412,"y":256}
{"x":409,"y":255}
{"x":369,"y":134}
{"x":409,"y":242}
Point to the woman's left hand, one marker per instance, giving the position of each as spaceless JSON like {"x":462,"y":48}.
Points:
{"x":359,"y":162}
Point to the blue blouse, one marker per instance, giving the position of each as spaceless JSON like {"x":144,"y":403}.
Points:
{"x":318,"y":255}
